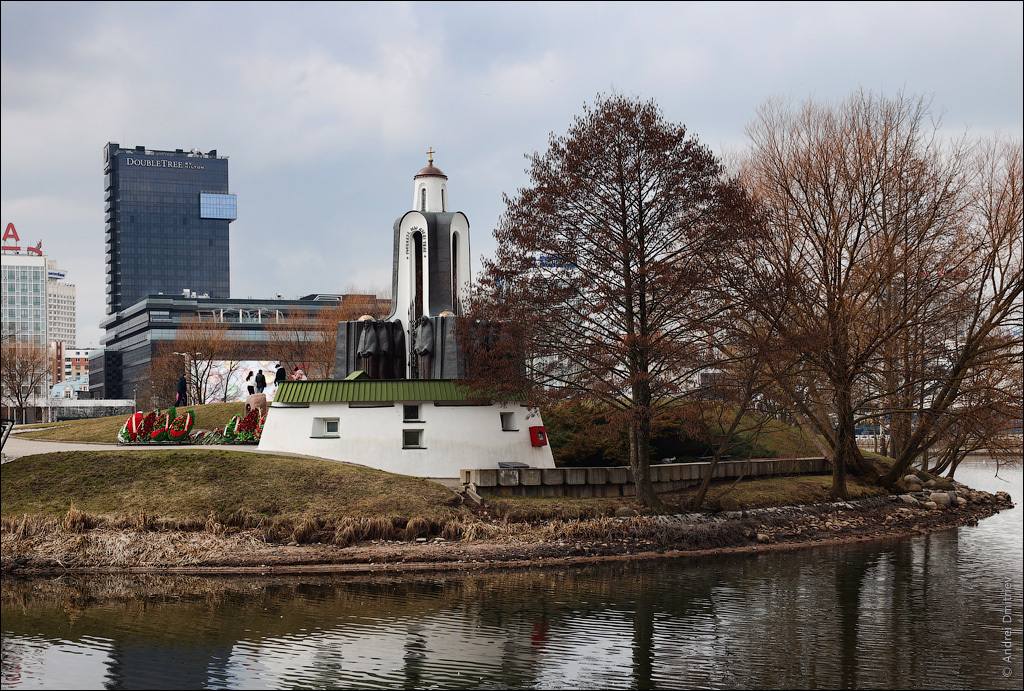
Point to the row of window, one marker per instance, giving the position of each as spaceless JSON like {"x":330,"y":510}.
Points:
{"x":412,"y":438}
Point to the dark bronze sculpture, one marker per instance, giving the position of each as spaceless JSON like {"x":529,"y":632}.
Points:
{"x":384,"y":349}
{"x":423,"y":345}
{"x":368,"y":348}
{"x":398,"y":350}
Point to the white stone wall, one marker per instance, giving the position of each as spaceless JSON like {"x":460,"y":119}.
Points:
{"x":454,"y":437}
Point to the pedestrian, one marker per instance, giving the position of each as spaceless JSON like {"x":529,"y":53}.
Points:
{"x":261,"y":382}
{"x":281,"y":375}
{"x":182,"y":398}
{"x":250,"y":383}
{"x":298,"y":374}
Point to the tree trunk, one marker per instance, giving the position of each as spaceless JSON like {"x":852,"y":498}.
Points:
{"x":640,"y":460}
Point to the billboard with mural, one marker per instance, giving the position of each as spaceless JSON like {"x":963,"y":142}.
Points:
{"x":227,"y":379}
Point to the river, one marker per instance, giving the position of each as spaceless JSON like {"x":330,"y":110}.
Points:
{"x":934,"y":611}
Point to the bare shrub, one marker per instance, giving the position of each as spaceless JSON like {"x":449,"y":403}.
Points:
{"x":77,"y":521}
{"x":344,"y":534}
{"x":453,"y":529}
{"x":307,"y":531}
{"x":419,"y":527}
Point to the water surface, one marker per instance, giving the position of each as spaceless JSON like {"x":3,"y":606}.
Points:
{"x":921,"y":612}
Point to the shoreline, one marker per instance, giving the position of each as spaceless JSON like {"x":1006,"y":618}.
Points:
{"x":755,"y":531}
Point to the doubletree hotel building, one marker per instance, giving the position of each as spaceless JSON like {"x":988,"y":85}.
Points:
{"x":167,"y":217}
{"x":167,"y":222}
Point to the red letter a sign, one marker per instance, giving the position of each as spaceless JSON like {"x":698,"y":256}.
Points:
{"x":11,"y":233}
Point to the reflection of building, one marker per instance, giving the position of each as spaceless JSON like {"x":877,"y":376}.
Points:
{"x":38,"y":307}
{"x":167,"y":217}
{"x":135,"y":333}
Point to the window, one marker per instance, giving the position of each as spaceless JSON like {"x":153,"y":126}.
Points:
{"x":508,"y":422}
{"x":325,"y":427}
{"x":411,"y":413}
{"x":412,"y":439}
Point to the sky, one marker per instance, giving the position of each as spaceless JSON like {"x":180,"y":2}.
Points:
{"x":327,"y":110}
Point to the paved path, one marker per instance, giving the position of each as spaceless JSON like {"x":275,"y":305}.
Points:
{"x":17,"y":446}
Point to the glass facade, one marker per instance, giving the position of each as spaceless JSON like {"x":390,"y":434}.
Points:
{"x":218,"y":206}
{"x":167,"y":223}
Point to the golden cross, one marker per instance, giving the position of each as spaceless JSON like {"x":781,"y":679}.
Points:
{"x":430,"y":155}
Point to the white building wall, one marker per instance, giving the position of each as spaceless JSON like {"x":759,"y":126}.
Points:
{"x":37,"y":308}
{"x":454,"y":437}
{"x":61,"y":313}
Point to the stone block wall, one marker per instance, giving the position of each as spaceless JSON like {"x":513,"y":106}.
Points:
{"x":618,"y":481}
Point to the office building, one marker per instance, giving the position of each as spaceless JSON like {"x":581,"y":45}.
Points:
{"x":37,"y":306}
{"x":167,"y":222}
{"x":134,"y":334}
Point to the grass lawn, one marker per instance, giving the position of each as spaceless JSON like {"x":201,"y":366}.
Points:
{"x":193,"y":484}
{"x":105,"y":429}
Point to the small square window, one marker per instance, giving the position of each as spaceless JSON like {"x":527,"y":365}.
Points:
{"x":412,"y":439}
{"x":411,"y":413}
{"x":325,"y":427}
{"x":508,"y":422}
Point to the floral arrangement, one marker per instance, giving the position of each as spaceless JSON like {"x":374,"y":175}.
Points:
{"x":163,"y":425}
{"x":230,"y":429}
{"x":149,"y":423}
{"x":246,"y":429}
{"x":181,"y":426}
{"x":156,"y":426}
{"x":259,"y":427}
{"x":131,"y":429}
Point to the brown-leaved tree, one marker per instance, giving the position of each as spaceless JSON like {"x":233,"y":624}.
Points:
{"x":605,"y":282}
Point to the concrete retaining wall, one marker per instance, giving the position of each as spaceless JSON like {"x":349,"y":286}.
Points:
{"x":618,"y":481}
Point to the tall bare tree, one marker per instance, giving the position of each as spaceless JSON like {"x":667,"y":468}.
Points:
{"x":972,"y":342}
{"x":603,"y":282}
{"x":24,"y":370}
{"x":198,"y":343}
{"x":859,"y":198}
{"x":893,"y":260}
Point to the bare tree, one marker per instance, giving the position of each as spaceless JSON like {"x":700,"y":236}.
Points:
{"x":157,"y":389}
{"x":309,"y":339}
{"x":976,"y":352}
{"x":200,"y":342}
{"x":603,"y":283}
{"x":859,"y":198}
{"x":24,"y":370}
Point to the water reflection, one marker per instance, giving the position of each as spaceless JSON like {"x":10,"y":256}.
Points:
{"x":913,"y":613}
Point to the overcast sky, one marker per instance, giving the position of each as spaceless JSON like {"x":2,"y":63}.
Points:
{"x":326,"y":110}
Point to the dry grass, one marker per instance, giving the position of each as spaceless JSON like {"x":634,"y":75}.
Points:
{"x":105,"y":429}
{"x":187,"y":485}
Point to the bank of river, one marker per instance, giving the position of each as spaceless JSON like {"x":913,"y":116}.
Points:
{"x":499,"y":543}
{"x":921,"y":611}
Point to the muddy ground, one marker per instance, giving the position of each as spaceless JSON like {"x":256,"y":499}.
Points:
{"x":501,"y":545}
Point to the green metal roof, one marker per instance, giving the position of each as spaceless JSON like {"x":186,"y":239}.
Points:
{"x":370,"y":391}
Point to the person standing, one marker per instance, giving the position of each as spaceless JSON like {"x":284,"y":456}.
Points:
{"x":261,"y":382}
{"x":182,"y":398}
{"x":281,"y":375}
{"x":250,"y":383}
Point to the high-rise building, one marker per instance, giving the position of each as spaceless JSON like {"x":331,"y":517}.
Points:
{"x":37,"y":306}
{"x":167,"y":218}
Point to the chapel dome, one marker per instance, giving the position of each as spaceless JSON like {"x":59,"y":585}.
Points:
{"x":430,"y":171}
